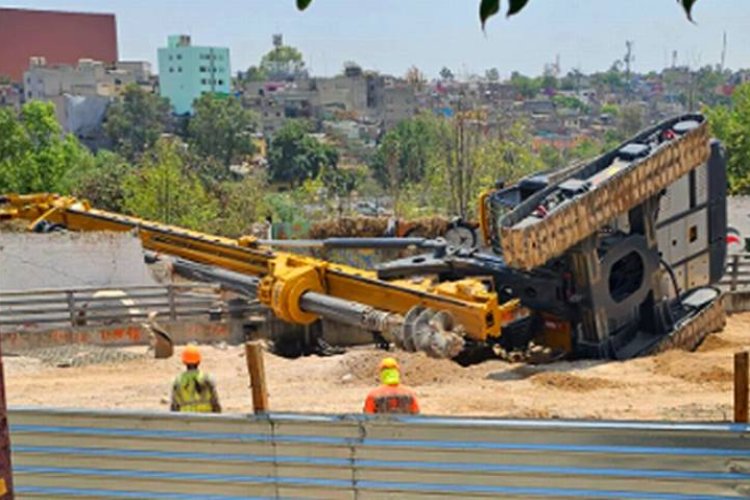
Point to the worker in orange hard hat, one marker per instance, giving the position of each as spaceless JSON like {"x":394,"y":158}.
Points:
{"x":194,"y":390}
{"x":391,"y":397}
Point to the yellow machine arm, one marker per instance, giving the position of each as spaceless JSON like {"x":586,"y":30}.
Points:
{"x":286,"y":277}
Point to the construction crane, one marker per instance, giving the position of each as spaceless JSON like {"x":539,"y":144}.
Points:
{"x":611,"y":259}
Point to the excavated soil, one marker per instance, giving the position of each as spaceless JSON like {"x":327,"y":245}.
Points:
{"x":675,"y":385}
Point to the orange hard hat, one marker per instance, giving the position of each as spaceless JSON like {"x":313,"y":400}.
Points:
{"x":191,"y":355}
{"x":389,"y":363}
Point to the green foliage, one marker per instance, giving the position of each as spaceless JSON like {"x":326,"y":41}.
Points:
{"x":610,"y":109}
{"x":731,"y":124}
{"x":242,"y":203}
{"x":255,"y":74}
{"x":630,"y":120}
{"x":446,"y":74}
{"x":524,"y":86}
{"x":101,"y":180}
{"x":569,"y":102}
{"x":281,"y":61}
{"x":34,"y":156}
{"x":221,"y":130}
{"x":406,"y":149}
{"x":135,"y":122}
{"x":585,"y":149}
{"x":164,"y":190}
{"x":492,"y":75}
{"x":340,"y":182}
{"x":295,"y":156}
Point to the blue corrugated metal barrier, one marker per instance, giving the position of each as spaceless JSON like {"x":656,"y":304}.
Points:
{"x":87,"y":454}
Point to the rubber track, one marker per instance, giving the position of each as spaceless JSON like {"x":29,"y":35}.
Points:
{"x":534,"y":244}
{"x":690,"y":334}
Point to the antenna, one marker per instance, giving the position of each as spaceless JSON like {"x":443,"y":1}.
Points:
{"x":629,"y":57}
{"x":674,"y":59}
{"x":723,"y":53}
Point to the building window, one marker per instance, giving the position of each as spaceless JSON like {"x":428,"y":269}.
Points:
{"x":179,"y":69}
{"x":204,"y":82}
{"x":171,"y":69}
{"x":170,"y":57}
{"x":203,"y":69}
{"x":179,"y":57}
{"x":221,"y":82}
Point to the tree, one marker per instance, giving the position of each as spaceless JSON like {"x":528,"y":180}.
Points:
{"x":294,"y":155}
{"x":492,"y":74}
{"x":488,"y":8}
{"x":242,"y":204}
{"x":34,"y":155}
{"x":221,"y":129}
{"x":164,"y":190}
{"x":630,"y":120}
{"x":731,"y":124}
{"x":405,"y":150}
{"x":101,"y":180}
{"x":136,"y":121}
{"x":282,"y":62}
{"x":523,"y":86}
{"x":446,"y":74}
{"x":255,"y":74}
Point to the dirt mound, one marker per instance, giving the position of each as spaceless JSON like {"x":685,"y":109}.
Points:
{"x":690,"y":368}
{"x":715,"y":343}
{"x":572,"y":383}
{"x":416,"y":368}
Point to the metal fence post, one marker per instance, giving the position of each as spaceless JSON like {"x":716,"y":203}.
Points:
{"x":172,"y":305}
{"x":735,"y":272}
{"x":71,"y":299}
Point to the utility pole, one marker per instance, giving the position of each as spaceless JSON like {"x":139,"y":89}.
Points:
{"x":628,"y":59}
{"x":723,"y":53}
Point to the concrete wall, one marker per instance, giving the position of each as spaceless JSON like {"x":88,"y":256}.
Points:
{"x":64,"y":260}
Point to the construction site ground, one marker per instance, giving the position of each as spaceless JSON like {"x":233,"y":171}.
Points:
{"x":675,"y":385}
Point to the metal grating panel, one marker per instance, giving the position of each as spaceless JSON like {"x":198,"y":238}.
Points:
{"x":79,"y":454}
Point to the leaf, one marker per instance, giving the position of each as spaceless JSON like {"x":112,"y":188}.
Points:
{"x":303,"y":4}
{"x":516,"y":6}
{"x":688,"y":6}
{"x":487,"y":9}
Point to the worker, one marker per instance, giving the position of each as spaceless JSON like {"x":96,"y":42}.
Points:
{"x":391,"y":397}
{"x":193,"y":390}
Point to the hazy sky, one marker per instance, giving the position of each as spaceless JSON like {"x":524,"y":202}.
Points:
{"x":391,"y":35}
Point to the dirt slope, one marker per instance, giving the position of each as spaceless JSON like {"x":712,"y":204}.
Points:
{"x":673,"y":386}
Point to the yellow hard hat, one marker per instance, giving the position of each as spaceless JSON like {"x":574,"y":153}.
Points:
{"x":191,"y":355}
{"x":389,"y":363}
{"x":389,"y":372}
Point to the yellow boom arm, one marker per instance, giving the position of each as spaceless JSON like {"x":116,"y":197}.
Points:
{"x":285,"y":276}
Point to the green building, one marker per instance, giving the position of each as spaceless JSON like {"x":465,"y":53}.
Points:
{"x":186,"y":72}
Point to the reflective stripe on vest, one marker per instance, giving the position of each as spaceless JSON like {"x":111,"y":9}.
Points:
{"x":193,"y":392}
{"x":401,"y":403}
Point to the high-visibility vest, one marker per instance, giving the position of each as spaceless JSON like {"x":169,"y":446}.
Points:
{"x":391,"y":399}
{"x":193,"y":391}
